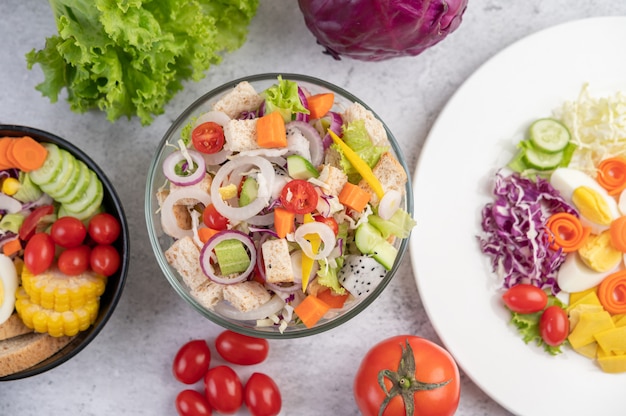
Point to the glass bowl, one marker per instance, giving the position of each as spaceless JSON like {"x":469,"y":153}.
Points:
{"x":115,"y":283}
{"x":161,"y":241}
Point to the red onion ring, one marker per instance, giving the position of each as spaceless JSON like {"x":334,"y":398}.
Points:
{"x":172,"y":160}
{"x":209,"y":246}
{"x":335,"y":123}
{"x":309,"y":132}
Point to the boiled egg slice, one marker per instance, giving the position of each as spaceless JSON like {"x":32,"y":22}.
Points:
{"x":596,"y":207}
{"x":8,"y":287}
{"x":575,"y":276}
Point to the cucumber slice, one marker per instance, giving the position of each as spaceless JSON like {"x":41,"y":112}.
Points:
{"x":385,"y":253}
{"x":51,"y":166}
{"x":72,"y":181}
{"x":542,"y":160}
{"x":232,"y":257}
{"x":549,"y":135}
{"x":93,"y":193}
{"x":367,"y":238}
{"x":69,"y":195}
{"x":68,"y":167}
{"x":300,"y":168}
{"x":249,"y":191}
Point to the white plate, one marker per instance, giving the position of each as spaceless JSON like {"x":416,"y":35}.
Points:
{"x":473,"y":136}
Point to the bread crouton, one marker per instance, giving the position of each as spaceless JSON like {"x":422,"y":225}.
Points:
{"x":334,"y":178}
{"x":374,"y":126}
{"x":180,"y":211}
{"x":13,"y":327}
{"x":240,"y":135}
{"x":246,"y":296}
{"x":243,"y":97}
{"x":184,"y":256}
{"x":332,"y":157}
{"x":277,"y":261}
{"x":208,"y":293}
{"x":390,"y":173}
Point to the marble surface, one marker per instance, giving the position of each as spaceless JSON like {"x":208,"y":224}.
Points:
{"x":126,"y":370}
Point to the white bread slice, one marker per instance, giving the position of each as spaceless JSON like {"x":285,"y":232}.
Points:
{"x":184,"y":256}
{"x":277,"y":261}
{"x":24,"y":351}
{"x":13,"y":327}
{"x":240,"y":135}
{"x":390,"y":173}
{"x":208,"y":293}
{"x":374,"y":126}
{"x":246,"y":296}
{"x":243,"y":97}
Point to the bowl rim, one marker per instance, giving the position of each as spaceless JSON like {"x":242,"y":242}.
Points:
{"x":181,"y":288}
{"x":83,"y":338}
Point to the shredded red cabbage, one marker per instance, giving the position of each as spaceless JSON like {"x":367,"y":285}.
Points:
{"x":516,"y":238}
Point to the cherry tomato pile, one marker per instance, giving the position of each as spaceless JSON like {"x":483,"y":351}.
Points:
{"x":223,"y":390}
{"x":81,"y":247}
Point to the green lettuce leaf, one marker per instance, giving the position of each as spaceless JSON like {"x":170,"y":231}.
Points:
{"x":356,"y":137}
{"x":130,"y":57}
{"x":283,"y":97}
{"x":400,"y":224}
{"x":528,"y":327}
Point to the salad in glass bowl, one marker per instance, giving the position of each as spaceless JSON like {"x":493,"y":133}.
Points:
{"x":279,"y":205}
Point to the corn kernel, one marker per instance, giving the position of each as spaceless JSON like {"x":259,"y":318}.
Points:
{"x":10,"y":186}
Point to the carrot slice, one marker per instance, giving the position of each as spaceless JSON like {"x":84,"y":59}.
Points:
{"x":11,"y":247}
{"x":27,"y":153}
{"x":311,"y":310}
{"x":270,"y":130}
{"x":320,"y":104}
{"x":5,"y":142}
{"x":612,"y":174}
{"x":566,"y":232}
{"x":618,"y":234}
{"x":612,"y":292}
{"x":354,"y":197}
{"x":333,"y":300}
{"x":205,"y":233}
{"x":283,"y":221}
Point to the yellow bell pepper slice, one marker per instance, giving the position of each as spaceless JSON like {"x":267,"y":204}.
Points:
{"x":307,"y":262}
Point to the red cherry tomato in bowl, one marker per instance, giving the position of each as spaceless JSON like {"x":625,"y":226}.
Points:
{"x":74,"y":261}
{"x":104,"y":259}
{"x":68,"y":232}
{"x":434,"y":384}
{"x":39,"y":253}
{"x":262,"y":396}
{"x":241,"y":349}
{"x":208,"y":137}
{"x":104,"y":228}
{"x":223,"y":389}
{"x":330,"y":221}
{"x":554,"y":325}
{"x":32,"y":223}
{"x":525,"y":298}
{"x":192,"y":361}
{"x":192,"y":403}
{"x":299,"y":196}
{"x":214,"y":219}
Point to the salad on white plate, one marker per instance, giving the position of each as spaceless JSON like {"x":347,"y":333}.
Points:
{"x":284,"y":206}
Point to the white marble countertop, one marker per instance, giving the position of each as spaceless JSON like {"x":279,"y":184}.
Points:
{"x":126,"y":370}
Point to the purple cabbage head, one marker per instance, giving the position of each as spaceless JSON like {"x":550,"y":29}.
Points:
{"x":375,"y":30}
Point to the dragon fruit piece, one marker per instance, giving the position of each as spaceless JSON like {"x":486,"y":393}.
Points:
{"x":360,"y":274}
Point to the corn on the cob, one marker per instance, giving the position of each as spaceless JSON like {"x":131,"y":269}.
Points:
{"x":55,"y":323}
{"x":59,"y":292}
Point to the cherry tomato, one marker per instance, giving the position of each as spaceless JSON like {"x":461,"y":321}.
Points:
{"x":104,"y":228}
{"x":554,"y":325}
{"x":33,"y":220}
{"x":330,"y":221}
{"x":241,"y":349}
{"x":104,"y":259}
{"x":39,"y":253}
{"x":433,"y":386}
{"x":223,"y":389}
{"x":262,"y":396}
{"x":192,"y":403}
{"x":299,"y":196}
{"x":208,"y":137}
{"x":525,"y":298}
{"x":192,"y":361}
{"x":74,"y":261}
{"x":68,"y":232}
{"x":214,"y":219}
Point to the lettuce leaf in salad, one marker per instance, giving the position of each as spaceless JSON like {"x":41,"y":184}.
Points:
{"x":284,"y":98}
{"x":327,"y":275}
{"x":528,"y":327}
{"x":399,"y":225}
{"x":356,"y":137}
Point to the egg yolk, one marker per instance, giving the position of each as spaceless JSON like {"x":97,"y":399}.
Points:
{"x":599,"y":254}
{"x":592,"y":205}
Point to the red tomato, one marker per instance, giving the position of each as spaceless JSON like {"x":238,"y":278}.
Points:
{"x":32,"y":221}
{"x":39,"y":253}
{"x":74,"y":261}
{"x":192,"y":403}
{"x":525,"y":298}
{"x":68,"y":232}
{"x":223,"y":389}
{"x":433,"y":388}
{"x":241,"y":349}
{"x":192,"y":361}
{"x":299,"y":196}
{"x":104,"y":259}
{"x":208,"y":137}
{"x":554,"y":325}
{"x":262,"y":396}
{"x":214,"y":219}
{"x":104,"y":228}
{"x":330,"y":221}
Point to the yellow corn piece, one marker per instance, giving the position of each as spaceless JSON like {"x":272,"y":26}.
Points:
{"x":55,"y":323}
{"x":10,"y":186}
{"x":59,"y":292}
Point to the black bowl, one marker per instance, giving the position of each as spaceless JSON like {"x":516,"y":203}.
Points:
{"x":115,"y":282}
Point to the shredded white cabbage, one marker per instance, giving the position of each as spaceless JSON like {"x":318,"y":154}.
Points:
{"x":598,"y":127}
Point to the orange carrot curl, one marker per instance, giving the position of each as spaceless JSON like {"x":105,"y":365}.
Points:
{"x":618,"y":234}
{"x":566,"y":232}
{"x":612,"y":292}
{"x":612,"y":174}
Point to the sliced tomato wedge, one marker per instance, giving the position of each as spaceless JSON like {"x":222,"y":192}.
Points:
{"x":299,"y":196}
{"x":35,"y":219}
{"x":208,"y":137}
